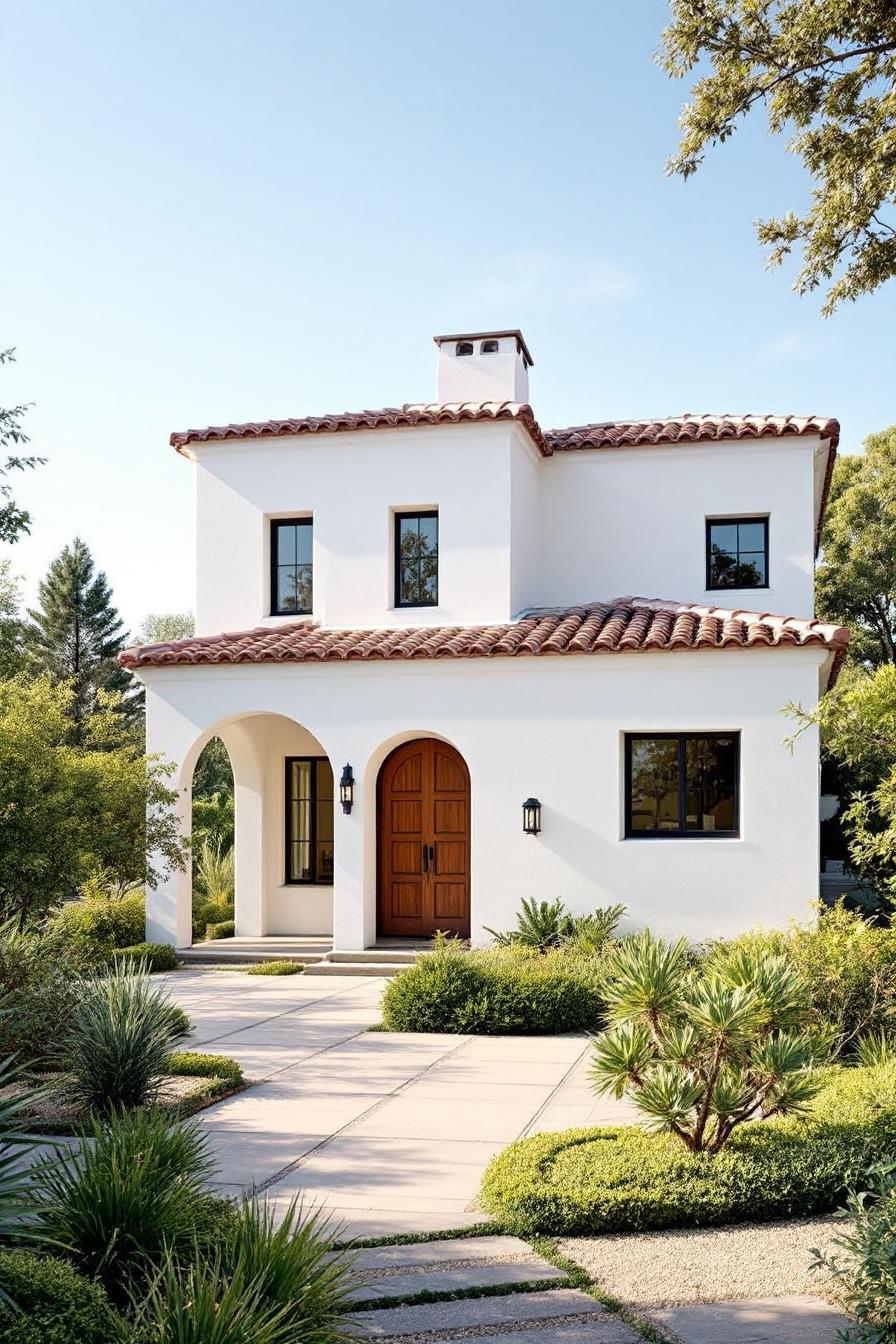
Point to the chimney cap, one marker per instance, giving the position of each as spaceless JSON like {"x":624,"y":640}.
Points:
{"x":521,"y":345}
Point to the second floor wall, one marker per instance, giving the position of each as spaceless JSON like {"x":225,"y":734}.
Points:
{"x":513,"y":529}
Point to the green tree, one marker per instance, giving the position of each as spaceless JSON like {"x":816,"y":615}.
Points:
{"x":824,"y":70}
{"x":161,"y":627}
{"x":11,"y":626}
{"x":14,"y":522}
{"x":76,"y":633}
{"x":856,"y":579}
{"x":68,"y":811}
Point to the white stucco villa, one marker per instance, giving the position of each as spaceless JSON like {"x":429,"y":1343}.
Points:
{"x":414,"y":621}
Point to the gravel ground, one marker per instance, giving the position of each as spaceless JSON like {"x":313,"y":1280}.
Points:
{"x":751,"y":1260}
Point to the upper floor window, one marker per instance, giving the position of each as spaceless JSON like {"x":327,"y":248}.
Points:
{"x":309,"y":819}
{"x":488,"y":348}
{"x":681,"y":784}
{"x":464,"y":348}
{"x":417,"y":559}
{"x":737,"y":553}
{"x":291,"y":567}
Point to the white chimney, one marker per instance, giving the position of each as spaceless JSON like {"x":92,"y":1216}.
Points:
{"x":483,"y":366}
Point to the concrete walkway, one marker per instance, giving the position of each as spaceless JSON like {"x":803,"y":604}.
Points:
{"x":391,"y":1132}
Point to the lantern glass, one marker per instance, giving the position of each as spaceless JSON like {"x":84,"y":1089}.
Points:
{"x":347,"y":788}
{"x":531,"y":816}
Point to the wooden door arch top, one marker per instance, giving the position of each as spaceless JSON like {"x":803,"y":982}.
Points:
{"x":423,"y":841}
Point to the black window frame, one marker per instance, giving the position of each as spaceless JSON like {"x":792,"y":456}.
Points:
{"x":754,"y":518}
{"x":276,"y":523}
{"x":400,"y":517}
{"x":313,"y":880}
{"x":681,"y":833}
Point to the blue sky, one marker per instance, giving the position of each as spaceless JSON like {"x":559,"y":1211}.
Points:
{"x":220,"y":211}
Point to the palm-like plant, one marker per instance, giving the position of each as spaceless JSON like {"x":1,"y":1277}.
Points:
{"x":700,"y":1052}
{"x":545,"y":925}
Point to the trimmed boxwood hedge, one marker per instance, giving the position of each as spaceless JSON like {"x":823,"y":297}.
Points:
{"x":57,"y":1305}
{"x":193,"y":1064}
{"x":225,"y":929}
{"x":585,"y":1181}
{"x":496,"y":992}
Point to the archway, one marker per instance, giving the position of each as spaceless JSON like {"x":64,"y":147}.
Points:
{"x":214,"y":857}
{"x":423,"y":841}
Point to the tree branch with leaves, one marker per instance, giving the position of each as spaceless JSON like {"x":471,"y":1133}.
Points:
{"x":825,"y":73}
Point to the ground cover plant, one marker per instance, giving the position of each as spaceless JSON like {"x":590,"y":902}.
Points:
{"x":863,"y":1264}
{"x":498,"y":991}
{"x":276,"y":968}
{"x":626,"y":1179}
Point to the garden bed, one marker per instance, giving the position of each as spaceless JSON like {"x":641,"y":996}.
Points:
{"x":586,"y":1181}
{"x":179,"y":1094}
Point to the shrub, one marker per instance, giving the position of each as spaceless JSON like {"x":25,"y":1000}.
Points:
{"x":156,"y":956}
{"x":90,"y":928}
{"x":189,"y":1064}
{"x":591,"y":1181}
{"x":38,"y":987}
{"x":215,"y":871}
{"x":225,"y":929}
{"x":493,"y":992}
{"x":199,"y":1303}
{"x":56,"y":1304}
{"x":134,"y":1192}
{"x":115,"y":1048}
{"x":209,"y":912}
{"x":276,"y":968}
{"x":702,"y":1051}
{"x":866,"y":1275}
{"x":848,"y":964}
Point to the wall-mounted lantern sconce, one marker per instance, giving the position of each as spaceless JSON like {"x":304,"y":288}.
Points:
{"x":347,"y":788}
{"x":531,"y":816}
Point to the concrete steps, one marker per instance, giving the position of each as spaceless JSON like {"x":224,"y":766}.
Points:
{"x":315,"y":954}
{"x":548,"y":1311}
{"x":374,"y":961}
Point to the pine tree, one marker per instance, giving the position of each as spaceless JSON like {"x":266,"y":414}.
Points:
{"x":76,"y":632}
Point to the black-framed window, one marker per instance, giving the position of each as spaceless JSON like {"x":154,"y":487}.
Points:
{"x":309,"y":820}
{"x":292,"y":588}
{"x":682,"y":784}
{"x":737,"y":553}
{"x":417,"y":559}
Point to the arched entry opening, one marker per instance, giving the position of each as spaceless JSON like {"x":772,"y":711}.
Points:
{"x":423,"y":841}
{"x":214,"y":866}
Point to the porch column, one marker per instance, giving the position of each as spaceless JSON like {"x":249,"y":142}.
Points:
{"x":353,"y":927}
{"x":248,"y":829}
{"x":169,"y":903}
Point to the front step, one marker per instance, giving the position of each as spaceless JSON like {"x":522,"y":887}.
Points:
{"x":383,"y":956}
{"x":327,"y":967}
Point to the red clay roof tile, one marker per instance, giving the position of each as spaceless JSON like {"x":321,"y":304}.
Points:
{"x":627,"y":624}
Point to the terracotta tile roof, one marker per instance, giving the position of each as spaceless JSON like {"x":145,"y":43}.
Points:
{"x":688,"y":429}
{"x":390,"y":417}
{"x":625,"y":625}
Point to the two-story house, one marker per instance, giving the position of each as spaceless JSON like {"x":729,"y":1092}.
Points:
{"x":458,"y":659}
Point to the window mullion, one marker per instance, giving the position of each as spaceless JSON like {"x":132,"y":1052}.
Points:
{"x":682,"y":787}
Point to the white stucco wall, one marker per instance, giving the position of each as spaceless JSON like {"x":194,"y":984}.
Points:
{"x":633,"y":521}
{"x":552,"y":727}
{"x":515,"y":530}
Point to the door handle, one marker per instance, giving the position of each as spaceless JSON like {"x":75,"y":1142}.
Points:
{"x":425,"y":849}
{"x":432,"y":857}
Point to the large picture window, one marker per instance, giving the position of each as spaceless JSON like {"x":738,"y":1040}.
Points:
{"x":417,"y":559}
{"x":682,"y":784}
{"x":737,"y":553}
{"x":309,"y":820}
{"x":291,"y":567}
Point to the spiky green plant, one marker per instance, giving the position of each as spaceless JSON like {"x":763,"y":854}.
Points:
{"x":591,"y":933}
{"x":701,"y":1051}
{"x":133,"y":1194}
{"x":201,"y":1303}
{"x":875,"y":1048}
{"x":215,"y":871}
{"x":116,"y":1045}
{"x":539,"y":924}
{"x":292,"y":1257}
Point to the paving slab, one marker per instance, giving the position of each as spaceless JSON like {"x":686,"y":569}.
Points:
{"x":442,"y":1252}
{"x":771,"y":1320}
{"x":457,"y":1279}
{"x":596,"y":1330}
{"x":467,"y":1314}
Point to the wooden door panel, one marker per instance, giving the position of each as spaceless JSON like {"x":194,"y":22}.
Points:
{"x":423,"y":819}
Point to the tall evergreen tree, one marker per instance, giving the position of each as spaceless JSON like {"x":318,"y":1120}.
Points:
{"x":76,"y":632}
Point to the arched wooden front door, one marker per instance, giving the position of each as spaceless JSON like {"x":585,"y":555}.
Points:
{"x":423,"y":820}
